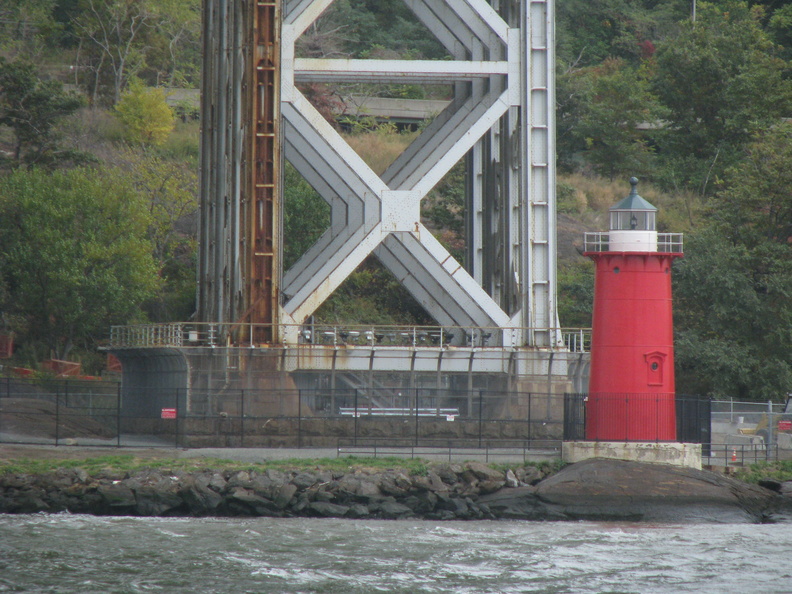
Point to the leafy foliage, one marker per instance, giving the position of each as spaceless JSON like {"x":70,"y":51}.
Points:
{"x":733,"y":289}
{"x":721,"y":81}
{"x":31,"y":108}
{"x":146,"y":115}
{"x":372,"y":295}
{"x":306,"y":216}
{"x":575,"y":294}
{"x":755,"y":204}
{"x":370,"y":29}
{"x":444,"y":211}
{"x":780,"y":470}
{"x":73,"y":255}
{"x":168,"y":190}
{"x":173,"y":48}
{"x":25,"y":25}
{"x":603,"y":109}
{"x":113,"y":35}
{"x":591,"y":32}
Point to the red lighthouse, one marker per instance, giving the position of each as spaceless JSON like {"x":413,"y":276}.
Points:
{"x":631,"y":388}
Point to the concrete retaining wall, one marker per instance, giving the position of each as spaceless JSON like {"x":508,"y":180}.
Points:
{"x":675,"y":454}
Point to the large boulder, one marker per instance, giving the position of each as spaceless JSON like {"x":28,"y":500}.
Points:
{"x":599,"y":489}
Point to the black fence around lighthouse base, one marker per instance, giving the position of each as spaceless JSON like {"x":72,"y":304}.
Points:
{"x":692,"y":416}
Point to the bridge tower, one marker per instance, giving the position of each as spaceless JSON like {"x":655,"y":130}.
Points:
{"x":495,"y":313}
{"x":501,"y":121}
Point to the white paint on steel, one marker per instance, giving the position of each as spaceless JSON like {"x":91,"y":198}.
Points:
{"x":509,"y":98}
{"x":420,"y":71}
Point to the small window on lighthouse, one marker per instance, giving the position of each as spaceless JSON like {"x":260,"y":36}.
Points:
{"x":654,"y":368}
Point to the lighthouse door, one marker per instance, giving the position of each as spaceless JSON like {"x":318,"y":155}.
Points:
{"x":654,"y":368}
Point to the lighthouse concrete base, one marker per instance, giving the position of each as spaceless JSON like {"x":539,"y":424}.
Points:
{"x":675,"y":454}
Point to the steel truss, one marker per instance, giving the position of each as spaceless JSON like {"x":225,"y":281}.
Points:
{"x":501,"y":121}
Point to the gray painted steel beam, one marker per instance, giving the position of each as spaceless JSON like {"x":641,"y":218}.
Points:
{"x":500,"y":122}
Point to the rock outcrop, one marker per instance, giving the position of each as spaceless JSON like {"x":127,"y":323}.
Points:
{"x":595,"y":489}
{"x":622,"y":490}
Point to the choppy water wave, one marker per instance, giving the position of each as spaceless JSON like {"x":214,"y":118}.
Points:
{"x":73,"y":553}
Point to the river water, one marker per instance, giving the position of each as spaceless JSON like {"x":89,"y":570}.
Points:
{"x":75,"y":553}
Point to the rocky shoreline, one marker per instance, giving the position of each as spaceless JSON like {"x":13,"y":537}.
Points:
{"x":591,"y":490}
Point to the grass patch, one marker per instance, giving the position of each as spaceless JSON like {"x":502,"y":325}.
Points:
{"x":131,"y":463}
{"x":579,"y":194}
{"x":183,"y":144}
{"x":778,"y":471}
{"x":545,"y":466}
{"x":379,"y":148}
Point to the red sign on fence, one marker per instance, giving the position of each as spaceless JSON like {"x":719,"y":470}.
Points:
{"x":168,"y":413}
{"x":785,"y":425}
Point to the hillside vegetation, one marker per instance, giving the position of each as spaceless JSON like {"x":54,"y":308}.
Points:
{"x":98,"y":168}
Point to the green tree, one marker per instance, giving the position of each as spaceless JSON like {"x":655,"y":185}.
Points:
{"x":780,"y":28}
{"x":305,"y":217}
{"x":590,"y":31}
{"x":173,"y":56}
{"x":31,"y":109}
{"x":602,"y":109}
{"x":112,"y":37}
{"x":370,"y":28}
{"x":372,"y":295}
{"x":25,"y":27}
{"x":73,"y":255}
{"x":168,"y":191}
{"x":733,"y":289}
{"x":576,"y":293}
{"x":755,"y":205}
{"x":721,"y":80}
{"x":145,"y":114}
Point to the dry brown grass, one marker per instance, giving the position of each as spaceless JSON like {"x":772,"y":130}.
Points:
{"x":379,"y":149}
{"x":594,"y":192}
{"x":677,"y":212}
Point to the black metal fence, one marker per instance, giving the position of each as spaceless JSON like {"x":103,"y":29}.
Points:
{"x":97,"y":414}
{"x":80,"y":412}
{"x":693,"y":415}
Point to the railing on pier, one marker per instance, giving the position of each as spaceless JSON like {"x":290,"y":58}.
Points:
{"x":183,"y":334}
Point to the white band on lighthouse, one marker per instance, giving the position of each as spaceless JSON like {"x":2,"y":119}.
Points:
{"x":632,"y":241}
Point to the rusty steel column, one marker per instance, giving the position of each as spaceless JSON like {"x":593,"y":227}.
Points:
{"x":264,"y":242}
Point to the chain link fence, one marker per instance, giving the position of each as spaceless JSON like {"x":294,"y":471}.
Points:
{"x":749,"y":432}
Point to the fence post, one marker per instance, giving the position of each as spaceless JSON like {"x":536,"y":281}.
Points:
{"x":242,"y":417}
{"x":57,"y":416}
{"x":481,"y":408}
{"x":530,"y":426}
{"x":178,"y":414}
{"x":118,"y":414}
{"x":657,"y":419}
{"x":355,"y":416}
{"x":299,"y":418}
{"x":626,"y":416}
{"x":416,"y":409}
{"x":770,"y":429}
